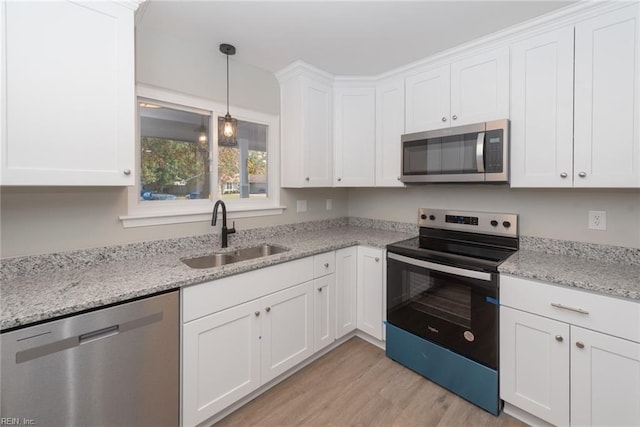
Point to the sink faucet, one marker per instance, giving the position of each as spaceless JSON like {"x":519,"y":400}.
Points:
{"x":225,"y":231}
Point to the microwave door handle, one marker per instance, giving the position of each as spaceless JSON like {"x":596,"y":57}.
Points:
{"x":480,"y":152}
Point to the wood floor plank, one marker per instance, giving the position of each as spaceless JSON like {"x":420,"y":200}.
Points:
{"x":357,"y":385}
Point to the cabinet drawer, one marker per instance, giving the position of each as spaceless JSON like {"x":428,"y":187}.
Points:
{"x":324,"y":264}
{"x":610,"y":315}
{"x":210,"y":297}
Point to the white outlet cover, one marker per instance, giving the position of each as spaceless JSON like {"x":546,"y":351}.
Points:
{"x":329,"y":204}
{"x":597,"y":220}
{"x":301,"y":206}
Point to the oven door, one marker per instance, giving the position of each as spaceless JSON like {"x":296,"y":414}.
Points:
{"x":451,"y":306}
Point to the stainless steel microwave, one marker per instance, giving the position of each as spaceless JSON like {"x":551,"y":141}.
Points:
{"x":471,"y":153}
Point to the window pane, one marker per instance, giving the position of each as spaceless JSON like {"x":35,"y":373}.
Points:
{"x":242,"y":166}
{"x":174,"y":154}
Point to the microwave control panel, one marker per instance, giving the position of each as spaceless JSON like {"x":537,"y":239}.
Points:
{"x":493,"y":151}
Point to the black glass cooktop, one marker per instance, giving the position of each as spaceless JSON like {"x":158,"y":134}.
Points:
{"x":462,"y":249}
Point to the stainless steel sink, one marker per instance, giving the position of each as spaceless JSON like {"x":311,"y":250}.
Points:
{"x":220,"y":259}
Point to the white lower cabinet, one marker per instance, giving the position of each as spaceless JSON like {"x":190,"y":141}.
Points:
{"x":370,"y":291}
{"x":346,"y":291}
{"x":569,"y":357}
{"x":243,"y":331}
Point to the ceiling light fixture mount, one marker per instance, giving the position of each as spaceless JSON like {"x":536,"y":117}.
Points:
{"x":229,"y":126}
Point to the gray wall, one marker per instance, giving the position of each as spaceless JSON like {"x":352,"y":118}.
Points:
{"x":552,"y":213}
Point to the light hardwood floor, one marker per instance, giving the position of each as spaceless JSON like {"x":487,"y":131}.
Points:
{"x":357,"y":385}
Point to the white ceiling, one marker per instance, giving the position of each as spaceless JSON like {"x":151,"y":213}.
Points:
{"x":340,"y":37}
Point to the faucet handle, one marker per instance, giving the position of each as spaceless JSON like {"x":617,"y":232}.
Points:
{"x":232,"y":229}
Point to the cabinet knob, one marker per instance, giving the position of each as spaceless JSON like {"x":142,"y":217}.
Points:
{"x":326,"y":265}
{"x":454,"y":117}
{"x":444,"y":119}
{"x":563,"y":175}
{"x":579,"y":344}
{"x":306,"y":179}
{"x":268,"y":309}
{"x":319,"y":289}
{"x":582,"y":174}
{"x":377,"y":259}
{"x":559,"y":338}
{"x":127,"y":172}
{"x":398,"y":178}
{"x":339,"y":179}
{"x":257,"y":313}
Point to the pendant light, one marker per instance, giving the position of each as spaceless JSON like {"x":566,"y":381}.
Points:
{"x":228,"y":126}
{"x":202,"y":132}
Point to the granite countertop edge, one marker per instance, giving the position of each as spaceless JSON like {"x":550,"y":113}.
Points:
{"x":74,"y":290}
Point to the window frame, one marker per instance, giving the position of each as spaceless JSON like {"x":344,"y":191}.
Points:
{"x":181,"y":211}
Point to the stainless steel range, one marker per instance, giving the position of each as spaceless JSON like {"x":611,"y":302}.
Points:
{"x":442,"y":300}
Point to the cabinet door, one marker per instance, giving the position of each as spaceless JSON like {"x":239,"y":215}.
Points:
{"x":220,"y":361}
{"x":480,"y":88}
{"x":317,"y":134}
{"x":427,"y":100}
{"x":346,"y":290}
{"x":389,"y":129}
{"x":354,"y":137}
{"x":287,"y":329}
{"x":69,"y":93}
{"x":542,"y":110}
{"x":534,"y":364}
{"x":370,"y":291}
{"x":605,"y":380}
{"x":324,"y":311}
{"x":607,"y":105}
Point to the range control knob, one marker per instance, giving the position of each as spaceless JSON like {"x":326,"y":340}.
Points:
{"x":432,"y":217}
{"x":506,"y":224}
{"x":423,"y":216}
{"x":494,"y":223}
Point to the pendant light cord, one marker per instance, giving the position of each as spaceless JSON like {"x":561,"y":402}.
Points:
{"x":227,"y":84}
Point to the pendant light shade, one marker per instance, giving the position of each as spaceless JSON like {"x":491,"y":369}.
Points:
{"x":227,"y":126}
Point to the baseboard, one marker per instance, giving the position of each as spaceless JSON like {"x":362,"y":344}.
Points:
{"x":524,"y":416}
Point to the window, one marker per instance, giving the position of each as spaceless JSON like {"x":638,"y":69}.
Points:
{"x":182,"y":168}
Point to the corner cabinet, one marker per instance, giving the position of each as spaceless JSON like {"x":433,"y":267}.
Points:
{"x":575,"y":111}
{"x":354,"y":127}
{"x":68,"y":94}
{"x":306,"y":102}
{"x":389,"y":130}
{"x":565,"y":359}
{"x":471,"y":90}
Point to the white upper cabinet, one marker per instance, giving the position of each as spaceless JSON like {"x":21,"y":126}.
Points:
{"x":306,"y":97}
{"x":607,"y":104}
{"x":542,"y":110}
{"x":575,"y":110}
{"x":470,"y":90}
{"x":68,"y":93}
{"x":354,"y":136}
{"x":428,"y":100}
{"x":389,"y":129}
{"x":480,"y":88}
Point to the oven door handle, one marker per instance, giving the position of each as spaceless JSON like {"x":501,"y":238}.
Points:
{"x":480,"y":275}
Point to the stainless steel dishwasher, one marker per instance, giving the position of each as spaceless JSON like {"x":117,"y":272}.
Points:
{"x":115,"y":366}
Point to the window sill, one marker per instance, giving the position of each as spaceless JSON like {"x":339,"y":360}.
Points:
{"x":164,"y":218}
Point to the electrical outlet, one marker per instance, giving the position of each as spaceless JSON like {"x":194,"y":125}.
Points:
{"x":597,"y":220}
{"x":329,"y":204}
{"x":301,"y":205}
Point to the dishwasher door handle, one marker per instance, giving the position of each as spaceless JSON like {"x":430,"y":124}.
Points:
{"x":75,"y":341}
{"x":99,"y":334}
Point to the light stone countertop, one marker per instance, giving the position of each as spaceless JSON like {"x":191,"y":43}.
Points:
{"x":605,"y":277}
{"x":38,"y":295}
{"x":44,"y":287}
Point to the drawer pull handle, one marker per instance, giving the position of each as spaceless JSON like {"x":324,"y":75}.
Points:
{"x":564,"y":307}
